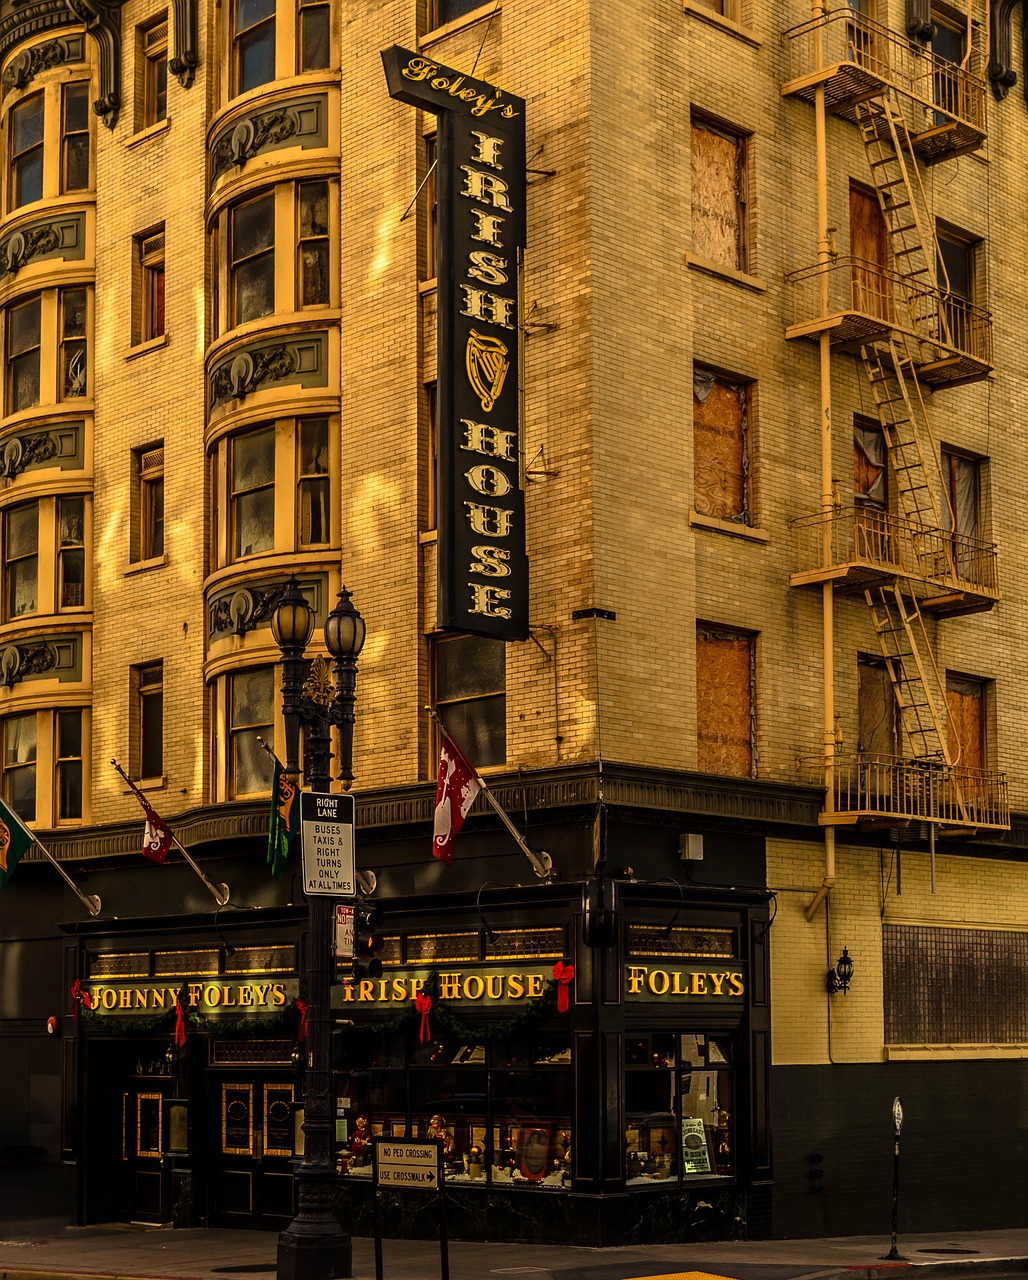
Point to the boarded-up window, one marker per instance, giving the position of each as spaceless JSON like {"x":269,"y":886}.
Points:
{"x":870,"y":474}
{"x":876,"y":709}
{"x":954,"y":986}
{"x":962,"y":515}
{"x":869,"y":249}
{"x":724,"y":701}
{"x":965,"y":724}
{"x":718,"y":195}
{"x":721,"y":463}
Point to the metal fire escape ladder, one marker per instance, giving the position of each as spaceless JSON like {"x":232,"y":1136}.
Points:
{"x":916,"y":680}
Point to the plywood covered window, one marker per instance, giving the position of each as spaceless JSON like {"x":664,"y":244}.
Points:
{"x":877,"y":718}
{"x":869,"y":249}
{"x":725,"y":701}
{"x":966,"y":725}
{"x":962,"y":513}
{"x":719,"y":194}
{"x":721,"y":446}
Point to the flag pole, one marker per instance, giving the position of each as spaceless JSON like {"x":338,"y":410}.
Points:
{"x":542,"y":863}
{"x":220,"y":892}
{"x":89,"y":900}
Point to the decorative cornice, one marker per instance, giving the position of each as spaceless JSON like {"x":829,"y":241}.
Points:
{"x":187,"y":58}
{"x":659,"y":794}
{"x":20,"y":452}
{"x":20,"y":660}
{"x":1001,"y":73}
{"x":303,"y":119}
{"x":239,"y":609}
{"x":26,"y":65}
{"x":244,"y":371}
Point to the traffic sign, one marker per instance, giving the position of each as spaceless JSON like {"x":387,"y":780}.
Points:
{"x":326,"y":836}
{"x":344,"y":931}
{"x":412,"y":1166}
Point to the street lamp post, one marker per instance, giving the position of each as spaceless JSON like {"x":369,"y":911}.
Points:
{"x":314,"y":1246}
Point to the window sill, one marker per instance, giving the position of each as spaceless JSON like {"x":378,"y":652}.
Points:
{"x":141,"y":566}
{"x":728,"y":25}
{"x":151,"y":131}
{"x":428,"y":536}
{"x":428,"y":286}
{"x":151,"y":344}
{"x":147,"y":784}
{"x":722,"y":272}
{"x":459,"y":24}
{"x":731,"y":527}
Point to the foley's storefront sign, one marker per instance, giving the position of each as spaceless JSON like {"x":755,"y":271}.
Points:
{"x":480,"y":186}
{"x":685,"y":981}
{"x":208,"y":996}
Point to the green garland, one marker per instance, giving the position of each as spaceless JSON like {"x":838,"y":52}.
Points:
{"x":441,"y":1015}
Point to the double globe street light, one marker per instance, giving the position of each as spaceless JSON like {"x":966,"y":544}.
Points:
{"x":314,"y":1246}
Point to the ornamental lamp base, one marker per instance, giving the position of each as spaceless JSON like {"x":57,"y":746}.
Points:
{"x":314,"y":1257}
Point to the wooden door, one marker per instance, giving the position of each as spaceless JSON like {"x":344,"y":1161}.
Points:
{"x":869,"y":248}
{"x":143,"y":1152}
{"x":251,"y":1175}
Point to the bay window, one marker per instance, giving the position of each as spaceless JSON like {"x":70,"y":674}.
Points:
{"x":44,"y":556}
{"x":272,"y":39}
{"x":48,"y":143}
{"x":46,"y":348}
{"x":251,"y":708}
{"x":272,"y":488}
{"x":272,"y":253}
{"x":42,"y":761}
{"x":21,"y":561}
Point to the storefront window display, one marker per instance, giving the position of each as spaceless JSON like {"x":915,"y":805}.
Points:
{"x":501,"y":1107}
{"x":679,"y":1108}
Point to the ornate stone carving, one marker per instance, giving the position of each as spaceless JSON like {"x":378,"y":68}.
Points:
{"x":26,"y":65}
{"x":1001,"y":73}
{"x":251,"y":135}
{"x":19,"y":247}
{"x":183,"y":65}
{"x":102,"y":21}
{"x":247,"y":371}
{"x":22,"y":451}
{"x":20,"y":660}
{"x":244,"y":610}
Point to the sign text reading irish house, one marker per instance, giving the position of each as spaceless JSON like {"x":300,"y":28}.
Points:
{"x":480,"y":186}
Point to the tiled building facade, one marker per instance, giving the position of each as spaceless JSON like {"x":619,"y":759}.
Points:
{"x":770,"y":453}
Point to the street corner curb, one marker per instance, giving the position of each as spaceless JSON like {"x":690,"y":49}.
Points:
{"x":82,"y":1273}
{"x":947,"y":1269}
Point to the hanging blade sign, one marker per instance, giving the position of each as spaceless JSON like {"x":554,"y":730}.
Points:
{"x":480,"y":184}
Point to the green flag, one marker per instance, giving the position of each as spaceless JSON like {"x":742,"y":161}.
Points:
{"x":14,"y":840}
{"x":284,"y":822}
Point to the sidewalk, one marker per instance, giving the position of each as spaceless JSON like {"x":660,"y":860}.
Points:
{"x":139,"y":1253}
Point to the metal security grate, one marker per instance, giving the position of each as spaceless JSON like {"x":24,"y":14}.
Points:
{"x":954,"y":986}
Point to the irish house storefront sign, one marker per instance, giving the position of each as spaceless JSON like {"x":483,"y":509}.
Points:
{"x":686,"y":982}
{"x":472,"y":987}
{"x":480,"y":185}
{"x":221,"y":995}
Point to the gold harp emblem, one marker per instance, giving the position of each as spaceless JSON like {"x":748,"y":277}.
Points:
{"x":487,"y":366}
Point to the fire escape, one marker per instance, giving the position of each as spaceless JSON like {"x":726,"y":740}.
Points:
{"x":911,"y":334}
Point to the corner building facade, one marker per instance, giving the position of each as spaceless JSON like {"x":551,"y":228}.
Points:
{"x":769,"y":705}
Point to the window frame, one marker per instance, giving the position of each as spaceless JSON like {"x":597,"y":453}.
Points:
{"x":49,"y":766}
{"x":246,"y":261}
{"x":16,"y":157}
{"x":30,"y":355}
{"x":8,"y":613}
{"x":8,"y":768}
{"x":72,"y":344}
{"x":303,"y":8}
{"x":239,"y":34}
{"x":148,"y":695}
{"x":67,"y":761}
{"x":233,"y":731}
{"x":152,"y":46}
{"x":148,"y":465}
{"x":720,"y":631}
{"x":742,"y":139}
{"x":745,"y":388}
{"x":984,"y":691}
{"x":238,"y":494}
{"x":150,"y":317}
{"x":67,"y":133}
{"x":68,"y":551}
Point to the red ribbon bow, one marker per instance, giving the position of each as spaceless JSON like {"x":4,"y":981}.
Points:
{"x":180,"y":1025}
{"x":563,"y":973}
{"x":423,"y":1004}
{"x":301,"y":1030}
{"x":78,"y":996}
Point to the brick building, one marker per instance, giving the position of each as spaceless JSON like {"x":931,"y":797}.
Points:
{"x":766,"y":703}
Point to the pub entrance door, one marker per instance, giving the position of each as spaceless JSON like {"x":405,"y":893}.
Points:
{"x":252,"y":1132}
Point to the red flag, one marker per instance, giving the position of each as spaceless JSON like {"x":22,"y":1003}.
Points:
{"x":454,"y":795}
{"x":180,"y":1024}
{"x":157,"y":836}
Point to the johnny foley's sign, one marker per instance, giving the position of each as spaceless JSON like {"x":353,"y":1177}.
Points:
{"x":684,"y":981}
{"x":471,"y":986}
{"x":217,"y":995}
{"x":480,"y":187}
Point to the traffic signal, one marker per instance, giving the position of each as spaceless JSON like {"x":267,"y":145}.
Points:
{"x":366,"y":941}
